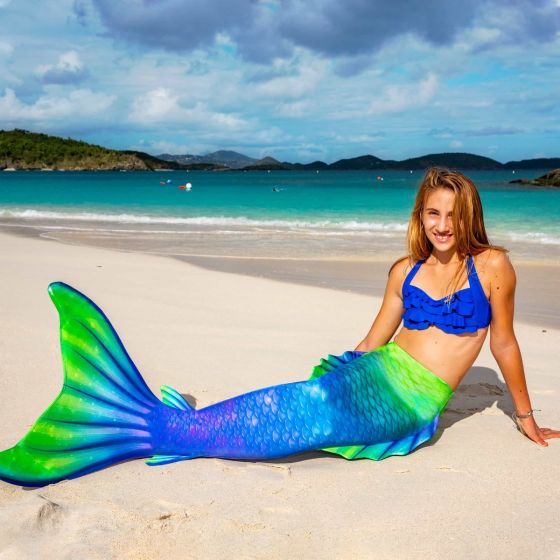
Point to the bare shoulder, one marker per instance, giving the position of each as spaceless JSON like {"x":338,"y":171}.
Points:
{"x":400,"y":268}
{"x":494,"y":262}
{"x":397,"y":274}
{"x":495,"y":272}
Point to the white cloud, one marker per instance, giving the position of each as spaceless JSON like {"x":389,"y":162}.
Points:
{"x":297,"y":85}
{"x":156,"y":105}
{"x":480,"y":37}
{"x":294,"y":110}
{"x":456,"y":144}
{"x":403,"y":97}
{"x":4,"y":3}
{"x":162,"y":105}
{"x":5,"y":48}
{"x":79,"y":103}
{"x":162,"y":147}
{"x":69,"y":69}
{"x":357,"y":138}
{"x":202,"y":139}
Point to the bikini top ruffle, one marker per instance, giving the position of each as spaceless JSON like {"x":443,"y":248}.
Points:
{"x":467,"y":311}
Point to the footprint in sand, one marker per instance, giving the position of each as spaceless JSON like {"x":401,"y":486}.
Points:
{"x":49,"y":515}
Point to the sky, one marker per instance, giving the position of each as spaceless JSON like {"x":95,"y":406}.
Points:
{"x":298,"y":80}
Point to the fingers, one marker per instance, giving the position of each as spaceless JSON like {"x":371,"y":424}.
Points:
{"x":539,"y":435}
{"x":549,"y":431}
{"x":550,"y":434}
{"x":538,"y":439}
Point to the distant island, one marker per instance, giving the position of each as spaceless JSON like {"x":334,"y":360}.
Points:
{"x":550,"y":179}
{"x":456,"y":160}
{"x":24,"y":150}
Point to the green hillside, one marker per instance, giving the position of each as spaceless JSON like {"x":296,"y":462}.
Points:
{"x":20,"y":149}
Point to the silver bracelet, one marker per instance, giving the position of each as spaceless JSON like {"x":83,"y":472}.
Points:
{"x":523,"y":416}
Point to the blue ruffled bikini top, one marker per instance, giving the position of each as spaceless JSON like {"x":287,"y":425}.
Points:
{"x":467,"y":311}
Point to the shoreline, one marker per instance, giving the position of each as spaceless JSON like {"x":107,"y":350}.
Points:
{"x":538,"y":282}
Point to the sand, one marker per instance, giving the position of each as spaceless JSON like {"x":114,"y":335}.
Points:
{"x":478,"y":489}
{"x":538,"y":282}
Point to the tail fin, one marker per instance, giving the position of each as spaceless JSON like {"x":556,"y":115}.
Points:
{"x":103,"y":411}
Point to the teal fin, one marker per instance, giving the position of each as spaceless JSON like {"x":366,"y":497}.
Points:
{"x":103,"y":412}
{"x":173,"y":398}
{"x":379,"y":451}
{"x":157,"y":460}
{"x":333,"y":362}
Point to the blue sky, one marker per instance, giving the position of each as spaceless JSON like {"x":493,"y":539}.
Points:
{"x":299,"y":80}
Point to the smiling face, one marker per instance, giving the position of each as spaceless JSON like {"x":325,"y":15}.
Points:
{"x":447,"y":218}
{"x":437,"y":219}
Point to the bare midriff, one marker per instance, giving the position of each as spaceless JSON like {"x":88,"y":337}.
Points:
{"x":449,"y":356}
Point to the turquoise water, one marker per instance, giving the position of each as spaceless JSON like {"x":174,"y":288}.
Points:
{"x":324,"y":204}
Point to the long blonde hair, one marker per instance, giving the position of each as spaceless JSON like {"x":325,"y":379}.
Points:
{"x":468,"y":220}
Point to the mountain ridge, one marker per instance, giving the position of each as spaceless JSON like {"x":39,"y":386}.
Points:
{"x":24,"y":150}
{"x":452,"y":160}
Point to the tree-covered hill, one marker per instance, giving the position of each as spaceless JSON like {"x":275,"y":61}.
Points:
{"x":454,"y":160}
{"x":20,"y":149}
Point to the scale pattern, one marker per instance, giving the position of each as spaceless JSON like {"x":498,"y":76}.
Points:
{"x":357,"y":405}
{"x":383,"y":399}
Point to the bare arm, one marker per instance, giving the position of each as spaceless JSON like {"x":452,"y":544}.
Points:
{"x":389,"y":317}
{"x":504,"y":346}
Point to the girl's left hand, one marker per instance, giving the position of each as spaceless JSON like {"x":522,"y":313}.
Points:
{"x":529,"y":428}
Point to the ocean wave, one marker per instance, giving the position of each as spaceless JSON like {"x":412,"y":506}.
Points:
{"x":214,"y":232}
{"x":534,"y":237}
{"x":220,"y":221}
{"x":240,"y":225}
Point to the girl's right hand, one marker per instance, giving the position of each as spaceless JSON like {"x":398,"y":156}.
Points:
{"x":528,"y":427}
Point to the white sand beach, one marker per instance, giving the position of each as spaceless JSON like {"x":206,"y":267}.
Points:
{"x":478,"y":489}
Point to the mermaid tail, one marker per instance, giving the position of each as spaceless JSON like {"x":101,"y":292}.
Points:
{"x":104,"y":408}
{"x":358,"y":405}
{"x":407,"y":377}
